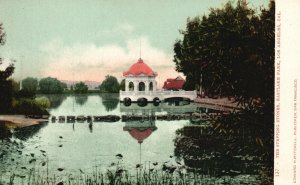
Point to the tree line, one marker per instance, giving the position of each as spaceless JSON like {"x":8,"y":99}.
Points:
{"x":51,"y":85}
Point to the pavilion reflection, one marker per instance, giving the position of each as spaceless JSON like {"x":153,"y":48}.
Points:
{"x":140,"y":130}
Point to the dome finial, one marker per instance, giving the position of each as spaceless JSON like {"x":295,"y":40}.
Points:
{"x":140,"y":49}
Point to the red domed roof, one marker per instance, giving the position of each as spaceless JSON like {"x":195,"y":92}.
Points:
{"x":140,"y":135}
{"x":139,"y":68}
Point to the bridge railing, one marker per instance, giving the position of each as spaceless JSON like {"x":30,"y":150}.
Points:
{"x":158,"y":93}
{"x":179,"y":93}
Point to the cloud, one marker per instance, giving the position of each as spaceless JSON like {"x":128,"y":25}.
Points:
{"x":91,"y":62}
{"x":123,"y":29}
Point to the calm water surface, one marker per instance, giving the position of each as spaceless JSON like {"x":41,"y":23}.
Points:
{"x":78,"y":147}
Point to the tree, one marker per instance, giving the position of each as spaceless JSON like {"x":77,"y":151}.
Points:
{"x":122,"y":85}
{"x":110,"y":84}
{"x":189,"y":85}
{"x":80,"y":88}
{"x":64,"y":85}
{"x":230,"y":52}
{"x":15,"y":86}
{"x":30,"y":84}
{"x":6,"y":91}
{"x":51,"y":86}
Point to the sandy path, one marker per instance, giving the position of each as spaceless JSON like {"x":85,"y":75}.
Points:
{"x":222,"y":102}
{"x":20,"y":120}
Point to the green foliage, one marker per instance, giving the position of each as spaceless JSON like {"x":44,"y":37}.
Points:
{"x":233,"y":48}
{"x":6,"y":87}
{"x":81,"y":99}
{"x":122,"y":85}
{"x":24,"y":94}
{"x":109,"y":101}
{"x":28,"y":107}
{"x":110,"y":84}
{"x":80,"y":88}
{"x":43,"y":102}
{"x":15,"y":85}
{"x":55,"y":100}
{"x":30,"y":84}
{"x":64,"y":85}
{"x":189,"y":85}
{"x":51,"y":86}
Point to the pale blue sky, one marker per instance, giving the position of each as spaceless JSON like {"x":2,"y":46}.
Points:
{"x":45,"y":36}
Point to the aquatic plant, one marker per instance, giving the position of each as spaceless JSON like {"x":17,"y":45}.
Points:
{"x":118,"y":174}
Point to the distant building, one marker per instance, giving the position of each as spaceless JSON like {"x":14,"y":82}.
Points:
{"x":174,"y":83}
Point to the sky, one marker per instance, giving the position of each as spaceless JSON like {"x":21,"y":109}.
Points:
{"x":87,"y":40}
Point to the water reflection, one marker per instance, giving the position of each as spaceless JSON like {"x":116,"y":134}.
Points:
{"x":91,"y":127}
{"x":196,"y":147}
{"x":211,"y":153}
{"x":55,"y":99}
{"x":13,"y":157}
{"x":4,"y":131}
{"x":110,"y":101}
{"x":28,"y":132}
{"x":167,"y":107}
{"x":9,"y":130}
{"x":81,"y":99}
{"x":140,"y":130}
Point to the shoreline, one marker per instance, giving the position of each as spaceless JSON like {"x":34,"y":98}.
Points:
{"x":19,"y":121}
{"x":223,"y":103}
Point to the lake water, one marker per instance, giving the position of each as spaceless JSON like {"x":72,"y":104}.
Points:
{"x":77,"y":147}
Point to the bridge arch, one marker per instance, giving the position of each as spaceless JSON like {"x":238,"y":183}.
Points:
{"x":142,"y":102}
{"x":127,"y":101}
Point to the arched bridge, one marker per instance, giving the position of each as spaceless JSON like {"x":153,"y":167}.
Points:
{"x":152,"y":96}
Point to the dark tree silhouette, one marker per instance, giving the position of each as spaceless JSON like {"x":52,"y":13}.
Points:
{"x":230,"y":52}
{"x":30,"y":84}
{"x":80,"y":88}
{"x":6,"y":89}
{"x":51,"y":86}
{"x":110,"y":84}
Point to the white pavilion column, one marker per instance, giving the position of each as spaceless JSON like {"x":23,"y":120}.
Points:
{"x":146,"y":86}
{"x":126,"y":85}
{"x":136,"y":86}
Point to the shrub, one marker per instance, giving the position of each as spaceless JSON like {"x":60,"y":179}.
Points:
{"x":28,"y":107}
{"x":43,"y":102}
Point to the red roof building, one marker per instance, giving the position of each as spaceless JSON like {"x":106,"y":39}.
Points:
{"x":174,"y":83}
{"x":139,"y":68}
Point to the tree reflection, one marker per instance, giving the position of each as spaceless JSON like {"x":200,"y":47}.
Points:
{"x":110,"y":101}
{"x":4,"y":131}
{"x":28,"y":132}
{"x":55,"y":100}
{"x":91,"y":127}
{"x":81,"y":99}
{"x":207,"y":152}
